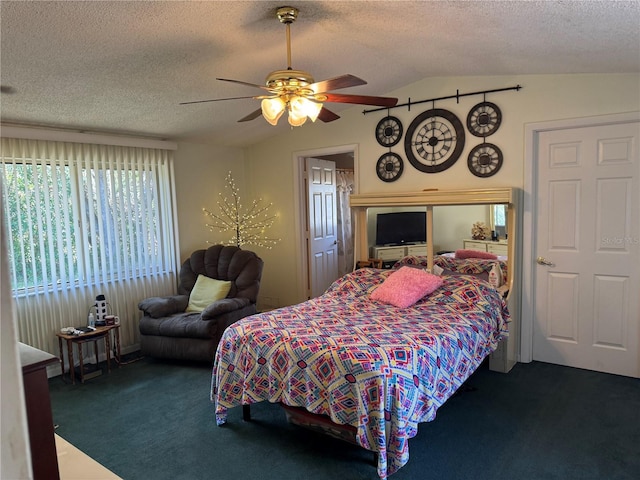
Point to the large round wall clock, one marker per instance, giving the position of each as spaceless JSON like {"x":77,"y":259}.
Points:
{"x":388,"y":131}
{"x":484,"y":119}
{"x":434,"y":140}
{"x":485,"y":160}
{"x":389,"y":167}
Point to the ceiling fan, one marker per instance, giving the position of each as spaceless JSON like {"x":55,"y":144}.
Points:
{"x":296,"y":92}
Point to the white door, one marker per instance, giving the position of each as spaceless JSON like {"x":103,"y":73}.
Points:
{"x":588,"y":249}
{"x":322,"y":224}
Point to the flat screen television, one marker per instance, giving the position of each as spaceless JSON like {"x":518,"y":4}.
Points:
{"x":400,"y":228}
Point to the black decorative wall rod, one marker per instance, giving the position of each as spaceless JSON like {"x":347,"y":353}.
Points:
{"x":456,"y":96}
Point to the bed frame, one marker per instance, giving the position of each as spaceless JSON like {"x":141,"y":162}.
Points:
{"x":505,"y":357}
{"x":499,"y":361}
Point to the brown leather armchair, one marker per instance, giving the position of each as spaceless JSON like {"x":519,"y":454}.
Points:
{"x":168,"y":331}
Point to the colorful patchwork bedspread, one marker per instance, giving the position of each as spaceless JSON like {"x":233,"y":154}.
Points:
{"x":376,"y":367}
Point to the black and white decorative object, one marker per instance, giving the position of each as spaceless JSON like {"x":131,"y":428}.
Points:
{"x":389,"y":131}
{"x":484,"y":119}
{"x":434,"y":140}
{"x":389,"y":167}
{"x":485,"y":160}
{"x":101,"y":310}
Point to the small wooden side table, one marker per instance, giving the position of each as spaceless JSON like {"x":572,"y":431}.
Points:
{"x":79,"y":340}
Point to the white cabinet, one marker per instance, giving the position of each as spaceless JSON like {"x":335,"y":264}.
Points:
{"x":390,"y":255}
{"x":417,"y":250}
{"x":499,"y":248}
{"x":474,"y":245}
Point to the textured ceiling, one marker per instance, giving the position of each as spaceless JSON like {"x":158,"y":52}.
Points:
{"x":121,"y":66}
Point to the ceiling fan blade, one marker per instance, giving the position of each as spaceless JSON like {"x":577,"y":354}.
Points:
{"x":215,"y":100}
{"x":343,"y":81}
{"x":252,"y":116}
{"x":263,"y":87}
{"x":327,"y":115}
{"x":361,"y":99}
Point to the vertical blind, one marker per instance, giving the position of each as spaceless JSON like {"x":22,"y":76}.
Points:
{"x":83,"y":220}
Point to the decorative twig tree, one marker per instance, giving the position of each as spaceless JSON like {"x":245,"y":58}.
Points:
{"x":247,"y":226}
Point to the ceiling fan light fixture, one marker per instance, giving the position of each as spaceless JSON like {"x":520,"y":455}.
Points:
{"x":272,"y":109}
{"x":299,"y":109}
{"x":296,"y":120}
{"x":302,"y":107}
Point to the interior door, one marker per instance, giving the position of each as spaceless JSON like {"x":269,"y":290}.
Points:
{"x":322,"y":224}
{"x":588,"y":243}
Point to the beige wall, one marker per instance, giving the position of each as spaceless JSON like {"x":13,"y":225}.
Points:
{"x":269,"y":165}
{"x":200,"y":173}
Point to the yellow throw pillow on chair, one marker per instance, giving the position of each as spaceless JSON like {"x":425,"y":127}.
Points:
{"x":205,"y":292}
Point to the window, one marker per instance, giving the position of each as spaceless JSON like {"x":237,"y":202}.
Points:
{"x":499,"y":219}
{"x":81,"y":220}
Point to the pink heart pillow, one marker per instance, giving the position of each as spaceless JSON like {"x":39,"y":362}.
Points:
{"x":406,"y":286}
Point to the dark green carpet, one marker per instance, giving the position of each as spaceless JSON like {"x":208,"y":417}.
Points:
{"x":153,"y":419}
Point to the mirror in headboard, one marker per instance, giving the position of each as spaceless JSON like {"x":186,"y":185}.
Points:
{"x":452,"y":224}
{"x":448,"y":224}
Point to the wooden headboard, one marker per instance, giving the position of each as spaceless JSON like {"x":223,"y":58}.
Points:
{"x":433,"y":198}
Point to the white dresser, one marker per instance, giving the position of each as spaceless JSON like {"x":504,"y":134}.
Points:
{"x":390,"y":255}
{"x":500,"y":247}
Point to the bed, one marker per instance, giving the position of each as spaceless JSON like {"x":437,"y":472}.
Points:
{"x":360,"y":368}
{"x":363,"y":363}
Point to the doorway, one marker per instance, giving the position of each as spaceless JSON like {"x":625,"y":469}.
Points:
{"x":580,"y":244}
{"x":345,"y":159}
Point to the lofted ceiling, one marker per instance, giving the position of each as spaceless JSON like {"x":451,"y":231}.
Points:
{"x":124,"y":66}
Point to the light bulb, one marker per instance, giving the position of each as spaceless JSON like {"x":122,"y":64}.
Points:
{"x":272,"y":109}
{"x":313,"y":110}
{"x":295,"y":120}
{"x":303,"y":107}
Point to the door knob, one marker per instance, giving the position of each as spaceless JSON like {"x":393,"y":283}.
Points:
{"x":545,"y":262}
